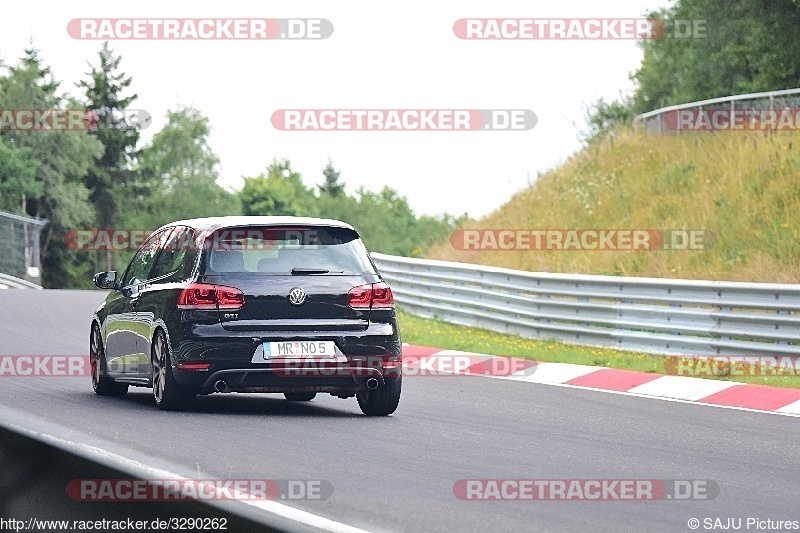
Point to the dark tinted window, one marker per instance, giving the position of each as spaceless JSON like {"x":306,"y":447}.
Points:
{"x":177,"y":256}
{"x":142,"y":263}
{"x":280,"y":250}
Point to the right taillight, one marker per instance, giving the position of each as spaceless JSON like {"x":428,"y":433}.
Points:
{"x":375,"y":295}
{"x":202,"y":296}
{"x":382,"y":295}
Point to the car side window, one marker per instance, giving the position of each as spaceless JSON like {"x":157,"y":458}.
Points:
{"x":176,"y":256}
{"x":142,"y":263}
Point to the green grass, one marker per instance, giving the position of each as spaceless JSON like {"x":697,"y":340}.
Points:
{"x":741,"y":188}
{"x":439,"y":334}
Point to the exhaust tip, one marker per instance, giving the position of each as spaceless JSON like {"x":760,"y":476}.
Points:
{"x":372,"y":383}
{"x":221,"y":386}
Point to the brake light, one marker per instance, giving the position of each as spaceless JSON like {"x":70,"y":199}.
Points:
{"x":382,"y":295}
{"x":229,"y":298}
{"x":360,"y":297}
{"x":376,"y":295}
{"x":201,"y":296}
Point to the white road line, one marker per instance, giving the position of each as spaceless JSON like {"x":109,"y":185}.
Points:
{"x":792,"y":408}
{"x":690,"y":389}
{"x":554,"y":372}
{"x":683,"y":388}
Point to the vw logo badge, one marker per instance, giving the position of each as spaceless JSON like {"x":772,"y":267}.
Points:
{"x":297,"y":296}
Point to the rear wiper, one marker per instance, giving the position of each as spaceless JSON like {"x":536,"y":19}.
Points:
{"x":296,"y":271}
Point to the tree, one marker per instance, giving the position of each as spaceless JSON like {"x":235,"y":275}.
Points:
{"x":747,"y":47}
{"x":280,"y":192}
{"x":737,"y":47}
{"x":604,"y":116}
{"x":384,"y":219}
{"x":17,"y":178}
{"x":113,"y":172}
{"x":332,"y":185}
{"x":60,"y":161}
{"x":387,"y":223}
{"x":183,"y":171}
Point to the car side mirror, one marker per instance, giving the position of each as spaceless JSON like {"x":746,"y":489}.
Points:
{"x":106,"y":280}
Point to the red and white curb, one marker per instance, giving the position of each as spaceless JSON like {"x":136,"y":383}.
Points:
{"x":717,"y":393}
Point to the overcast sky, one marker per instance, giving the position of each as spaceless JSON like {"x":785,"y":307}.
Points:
{"x":380,"y":56}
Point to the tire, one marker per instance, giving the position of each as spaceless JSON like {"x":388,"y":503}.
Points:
{"x":167,"y":394}
{"x":382,"y":401}
{"x":101,"y":383}
{"x":300,"y":396}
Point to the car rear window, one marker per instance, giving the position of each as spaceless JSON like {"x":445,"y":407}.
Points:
{"x":286,"y":250}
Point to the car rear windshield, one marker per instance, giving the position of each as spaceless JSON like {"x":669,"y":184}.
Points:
{"x":286,"y":251}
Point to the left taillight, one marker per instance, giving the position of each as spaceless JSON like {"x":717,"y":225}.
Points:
{"x":205,"y":297}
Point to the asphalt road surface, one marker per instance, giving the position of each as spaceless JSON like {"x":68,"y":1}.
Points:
{"x":398,"y":473}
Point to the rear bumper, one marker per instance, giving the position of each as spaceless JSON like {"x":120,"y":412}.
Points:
{"x":372,"y":353}
{"x":346,"y":380}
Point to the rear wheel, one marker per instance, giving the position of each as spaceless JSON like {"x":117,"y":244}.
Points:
{"x":101,"y":383}
{"x":382,"y":401}
{"x":166,"y":391}
{"x":300,"y":396}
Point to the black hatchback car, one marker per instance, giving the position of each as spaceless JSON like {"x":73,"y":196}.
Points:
{"x":290,"y":305}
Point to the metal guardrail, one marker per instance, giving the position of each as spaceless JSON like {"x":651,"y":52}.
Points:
{"x":645,"y":314}
{"x":7,"y":281}
{"x":772,"y":100}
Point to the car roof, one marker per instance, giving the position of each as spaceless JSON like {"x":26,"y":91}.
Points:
{"x":213,"y":223}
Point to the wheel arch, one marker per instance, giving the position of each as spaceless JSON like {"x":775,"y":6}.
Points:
{"x":159,"y":325}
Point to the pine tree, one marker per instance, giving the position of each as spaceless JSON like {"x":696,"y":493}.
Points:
{"x":332,"y":185}
{"x":112,"y":174}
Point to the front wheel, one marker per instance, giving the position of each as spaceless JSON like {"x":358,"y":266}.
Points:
{"x":382,"y":401}
{"x":101,"y":383}
{"x":300,"y":396}
{"x":166,"y":391}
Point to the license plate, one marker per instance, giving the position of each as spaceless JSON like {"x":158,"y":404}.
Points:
{"x":298,"y":350}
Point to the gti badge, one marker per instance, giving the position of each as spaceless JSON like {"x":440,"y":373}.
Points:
{"x":297,"y":296}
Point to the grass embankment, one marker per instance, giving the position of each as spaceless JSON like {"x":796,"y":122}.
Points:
{"x":438,"y":334}
{"x":742,"y":187}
